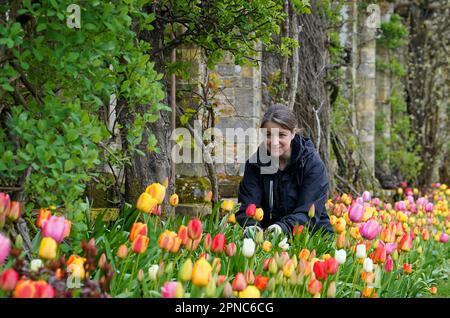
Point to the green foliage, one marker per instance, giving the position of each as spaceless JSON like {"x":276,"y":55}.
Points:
{"x":393,"y":33}
{"x":404,"y":148}
{"x":55,"y":83}
{"x":395,"y":68}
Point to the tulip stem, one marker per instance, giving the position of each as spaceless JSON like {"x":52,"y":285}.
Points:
{"x":136,"y":264}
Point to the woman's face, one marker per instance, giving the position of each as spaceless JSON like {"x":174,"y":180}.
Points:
{"x":278,"y":139}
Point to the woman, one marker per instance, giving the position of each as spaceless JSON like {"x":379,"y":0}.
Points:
{"x":287,"y":194}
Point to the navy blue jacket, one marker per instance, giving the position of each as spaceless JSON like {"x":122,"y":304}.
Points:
{"x":286,"y":196}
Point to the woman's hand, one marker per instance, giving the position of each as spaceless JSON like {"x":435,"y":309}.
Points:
{"x":275,"y":228}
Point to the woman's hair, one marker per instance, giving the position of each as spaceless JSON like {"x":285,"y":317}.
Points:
{"x":280,"y":115}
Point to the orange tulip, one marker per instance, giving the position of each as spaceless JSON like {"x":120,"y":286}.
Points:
{"x":176,"y":245}
{"x":166,"y":240}
{"x":44,"y":214}
{"x":406,"y":243}
{"x":122,"y":252}
{"x":183,"y":234}
{"x":140,"y":244}
{"x":314,"y":287}
{"x":138,"y":228}
{"x":24,"y":289}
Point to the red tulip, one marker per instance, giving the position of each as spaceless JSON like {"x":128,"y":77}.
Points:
{"x":44,"y":215}
{"x":195,"y":229}
{"x":9,"y":279}
{"x":297,"y":230}
{"x":183,"y":234}
{"x":250,"y":210}
{"x":239,"y":282}
{"x":221,"y":279}
{"x":379,"y":256}
{"x":261,"y":282}
{"x":138,"y":228}
{"x":266,"y":263}
{"x":407,"y":268}
{"x":320,"y":270}
{"x":331,"y":266}
{"x":230,"y":249}
{"x":406,"y":242}
{"x":140,"y":244}
{"x":218,"y":243}
{"x":44,"y":290}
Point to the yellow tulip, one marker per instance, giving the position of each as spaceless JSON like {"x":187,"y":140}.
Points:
{"x":174,"y":200}
{"x":259,"y":214}
{"x":312,"y":211}
{"x":266,"y":246}
{"x":185,"y":273}
{"x":354,"y":232}
{"x":201,"y":274}
{"x":146,"y":203}
{"x":157,"y":191}
{"x":232,"y":219}
{"x":227,"y":205}
{"x":47,"y":249}
{"x":250,"y":292}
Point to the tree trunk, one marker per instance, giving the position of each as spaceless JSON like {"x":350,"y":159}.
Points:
{"x":312,"y":104}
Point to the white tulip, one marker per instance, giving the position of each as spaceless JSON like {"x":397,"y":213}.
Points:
{"x":340,"y":256}
{"x":153,"y":271}
{"x":35,"y":265}
{"x":368,"y":265}
{"x":284,"y":245}
{"x":361,"y":251}
{"x":248,"y":249}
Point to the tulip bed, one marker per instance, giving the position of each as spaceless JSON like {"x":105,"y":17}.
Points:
{"x":379,"y":249}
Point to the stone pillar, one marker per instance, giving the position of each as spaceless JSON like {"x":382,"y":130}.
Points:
{"x":366,"y":92}
{"x":383,"y":93}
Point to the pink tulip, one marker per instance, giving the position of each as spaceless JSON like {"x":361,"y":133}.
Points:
{"x":366,"y":196}
{"x":389,"y":264}
{"x":55,"y":227}
{"x":410,"y":199}
{"x":230,"y":249}
{"x":421,"y":201}
{"x":169,"y":289}
{"x":413,"y":208}
{"x":400,"y":206}
{"x":376,"y":202}
{"x":443,"y":238}
{"x":429,"y":207}
{"x":370,"y":230}
{"x":390,"y":247}
{"x":5,"y":202}
{"x":5,"y":246}
{"x":356,"y":212}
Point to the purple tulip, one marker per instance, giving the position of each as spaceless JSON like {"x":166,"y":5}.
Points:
{"x":443,"y":238}
{"x":390,"y":248}
{"x":421,"y":201}
{"x":55,"y":227}
{"x":370,"y":230}
{"x":356,"y":212}
{"x":5,"y":246}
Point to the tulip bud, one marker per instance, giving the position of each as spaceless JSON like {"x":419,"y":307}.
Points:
{"x":19,"y":241}
{"x":5,"y":203}
{"x":312,"y":211}
{"x":122,"y":252}
{"x":271,"y":284}
{"x":195,"y":229}
{"x":201,"y":273}
{"x":169,"y":268}
{"x":273,"y":267}
{"x":153,"y":272}
{"x":340,"y":256}
{"x":174,"y":200}
{"x":279,"y":277}
{"x":102,"y":261}
{"x":14,"y":211}
{"x":368,"y":265}
{"x":218,"y":243}
{"x":227,"y":290}
{"x":331,"y":292}
{"x":259,"y":215}
{"x":259,"y":236}
{"x":361,"y":251}
{"x":249,"y":277}
{"x":230,"y":249}
{"x":232,"y":219}
{"x":138,"y":228}
{"x":248,"y":248}
{"x":156,"y":191}
{"x":140,"y":244}
{"x":239,"y":282}
{"x":210,"y":290}
{"x":250,"y":211}
{"x":140,"y":275}
{"x":227,"y":205}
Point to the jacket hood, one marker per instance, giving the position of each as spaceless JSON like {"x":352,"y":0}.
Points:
{"x":302,"y":149}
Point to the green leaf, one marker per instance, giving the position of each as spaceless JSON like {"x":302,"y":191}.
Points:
{"x":69,"y":165}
